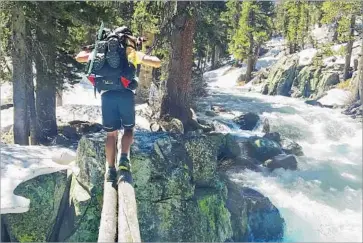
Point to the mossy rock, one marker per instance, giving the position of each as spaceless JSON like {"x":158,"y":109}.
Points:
{"x":214,"y":218}
{"x":282,"y":76}
{"x":45,"y":193}
{"x":254,"y":218}
{"x":263,"y":149}
{"x":166,"y":176}
{"x":83,"y":212}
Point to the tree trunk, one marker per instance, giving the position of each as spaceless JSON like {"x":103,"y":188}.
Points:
{"x":349,"y":49}
{"x":19,"y":58}
{"x":320,"y":17}
{"x":218,"y":54}
{"x":199,"y":58}
{"x":291,"y":48}
{"x":335,"y":34}
{"x":213,"y":56}
{"x":45,"y":89}
{"x":360,"y":80}
{"x":250,"y":59}
{"x":30,"y":90}
{"x":59,"y":98}
{"x":256,"y":54}
{"x":176,"y":101}
{"x":32,"y":112}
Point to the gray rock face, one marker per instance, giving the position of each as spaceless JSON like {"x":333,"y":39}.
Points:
{"x":287,"y":78}
{"x":169,"y":179}
{"x":82,"y":213}
{"x":291,"y":147}
{"x":247,"y":121}
{"x":282,"y":76}
{"x":248,"y":207}
{"x":327,"y":80}
{"x":263,"y":149}
{"x":288,"y":146}
{"x":45,"y":193}
{"x":182,"y":193}
{"x":287,"y":162}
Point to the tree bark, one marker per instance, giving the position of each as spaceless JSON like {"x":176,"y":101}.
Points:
{"x":335,"y":28}
{"x":59,"y":98}
{"x":45,"y":88}
{"x":128,"y":223}
{"x":30,"y":90}
{"x":320,"y":17}
{"x":218,"y":53}
{"x":19,"y":58}
{"x":256,"y":54}
{"x":32,"y":112}
{"x":213,"y":56}
{"x":108,"y":223}
{"x":176,"y":102}
{"x":348,"y":55}
{"x":360,"y":80}
{"x":250,"y":59}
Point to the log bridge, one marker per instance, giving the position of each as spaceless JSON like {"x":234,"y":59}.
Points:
{"x":119,"y":222}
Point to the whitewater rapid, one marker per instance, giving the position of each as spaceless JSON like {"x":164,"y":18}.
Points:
{"x":322,"y":200}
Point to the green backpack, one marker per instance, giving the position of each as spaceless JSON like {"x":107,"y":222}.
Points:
{"x":110,"y":68}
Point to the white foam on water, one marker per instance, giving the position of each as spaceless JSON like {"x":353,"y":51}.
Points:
{"x":322,"y":201}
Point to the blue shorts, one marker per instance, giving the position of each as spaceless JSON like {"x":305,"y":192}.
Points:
{"x":118,"y":109}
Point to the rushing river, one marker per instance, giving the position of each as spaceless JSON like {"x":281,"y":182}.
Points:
{"x":322,"y":200}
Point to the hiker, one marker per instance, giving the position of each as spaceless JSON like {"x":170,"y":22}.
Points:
{"x":118,"y":105}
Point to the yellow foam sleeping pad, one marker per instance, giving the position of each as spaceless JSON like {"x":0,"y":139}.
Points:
{"x":135,"y":57}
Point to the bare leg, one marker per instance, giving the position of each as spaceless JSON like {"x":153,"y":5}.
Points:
{"x":127,"y":140}
{"x":111,"y":141}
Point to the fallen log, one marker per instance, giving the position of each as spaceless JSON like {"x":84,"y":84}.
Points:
{"x":128,"y":224}
{"x":108,"y":224}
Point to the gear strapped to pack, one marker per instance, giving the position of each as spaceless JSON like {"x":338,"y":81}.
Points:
{"x":109,"y":68}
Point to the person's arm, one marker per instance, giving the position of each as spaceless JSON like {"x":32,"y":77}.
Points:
{"x":141,"y":58}
{"x":152,"y":61}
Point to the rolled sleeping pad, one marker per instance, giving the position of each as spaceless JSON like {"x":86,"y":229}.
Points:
{"x":83,"y":56}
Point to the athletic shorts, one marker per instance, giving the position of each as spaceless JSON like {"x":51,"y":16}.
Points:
{"x":118,"y":109}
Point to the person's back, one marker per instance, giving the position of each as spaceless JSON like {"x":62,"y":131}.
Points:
{"x":117,"y":96}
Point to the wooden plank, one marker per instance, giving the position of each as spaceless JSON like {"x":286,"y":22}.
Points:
{"x":108,"y":224}
{"x":128,"y":224}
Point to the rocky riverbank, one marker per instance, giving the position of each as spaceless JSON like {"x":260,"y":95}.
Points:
{"x":183,"y":193}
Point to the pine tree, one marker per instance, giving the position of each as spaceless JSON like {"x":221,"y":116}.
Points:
{"x":211,"y":32}
{"x":254,"y":28}
{"x":5,"y":37}
{"x":344,"y":12}
{"x":176,"y":102}
{"x":294,"y":18}
{"x":20,"y":63}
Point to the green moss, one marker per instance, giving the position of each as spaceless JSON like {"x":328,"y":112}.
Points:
{"x":28,"y":238}
{"x":45,"y":193}
{"x":203,"y":152}
{"x":166,"y":217}
{"x":215,"y":218}
{"x":206,"y":208}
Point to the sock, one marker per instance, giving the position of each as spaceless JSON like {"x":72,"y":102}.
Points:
{"x":123,"y":155}
{"x":112,"y":167}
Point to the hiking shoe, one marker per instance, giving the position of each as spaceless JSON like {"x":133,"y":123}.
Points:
{"x":124,"y":164}
{"x":111,"y":174}
{"x":113,"y":56}
{"x":100,"y":55}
